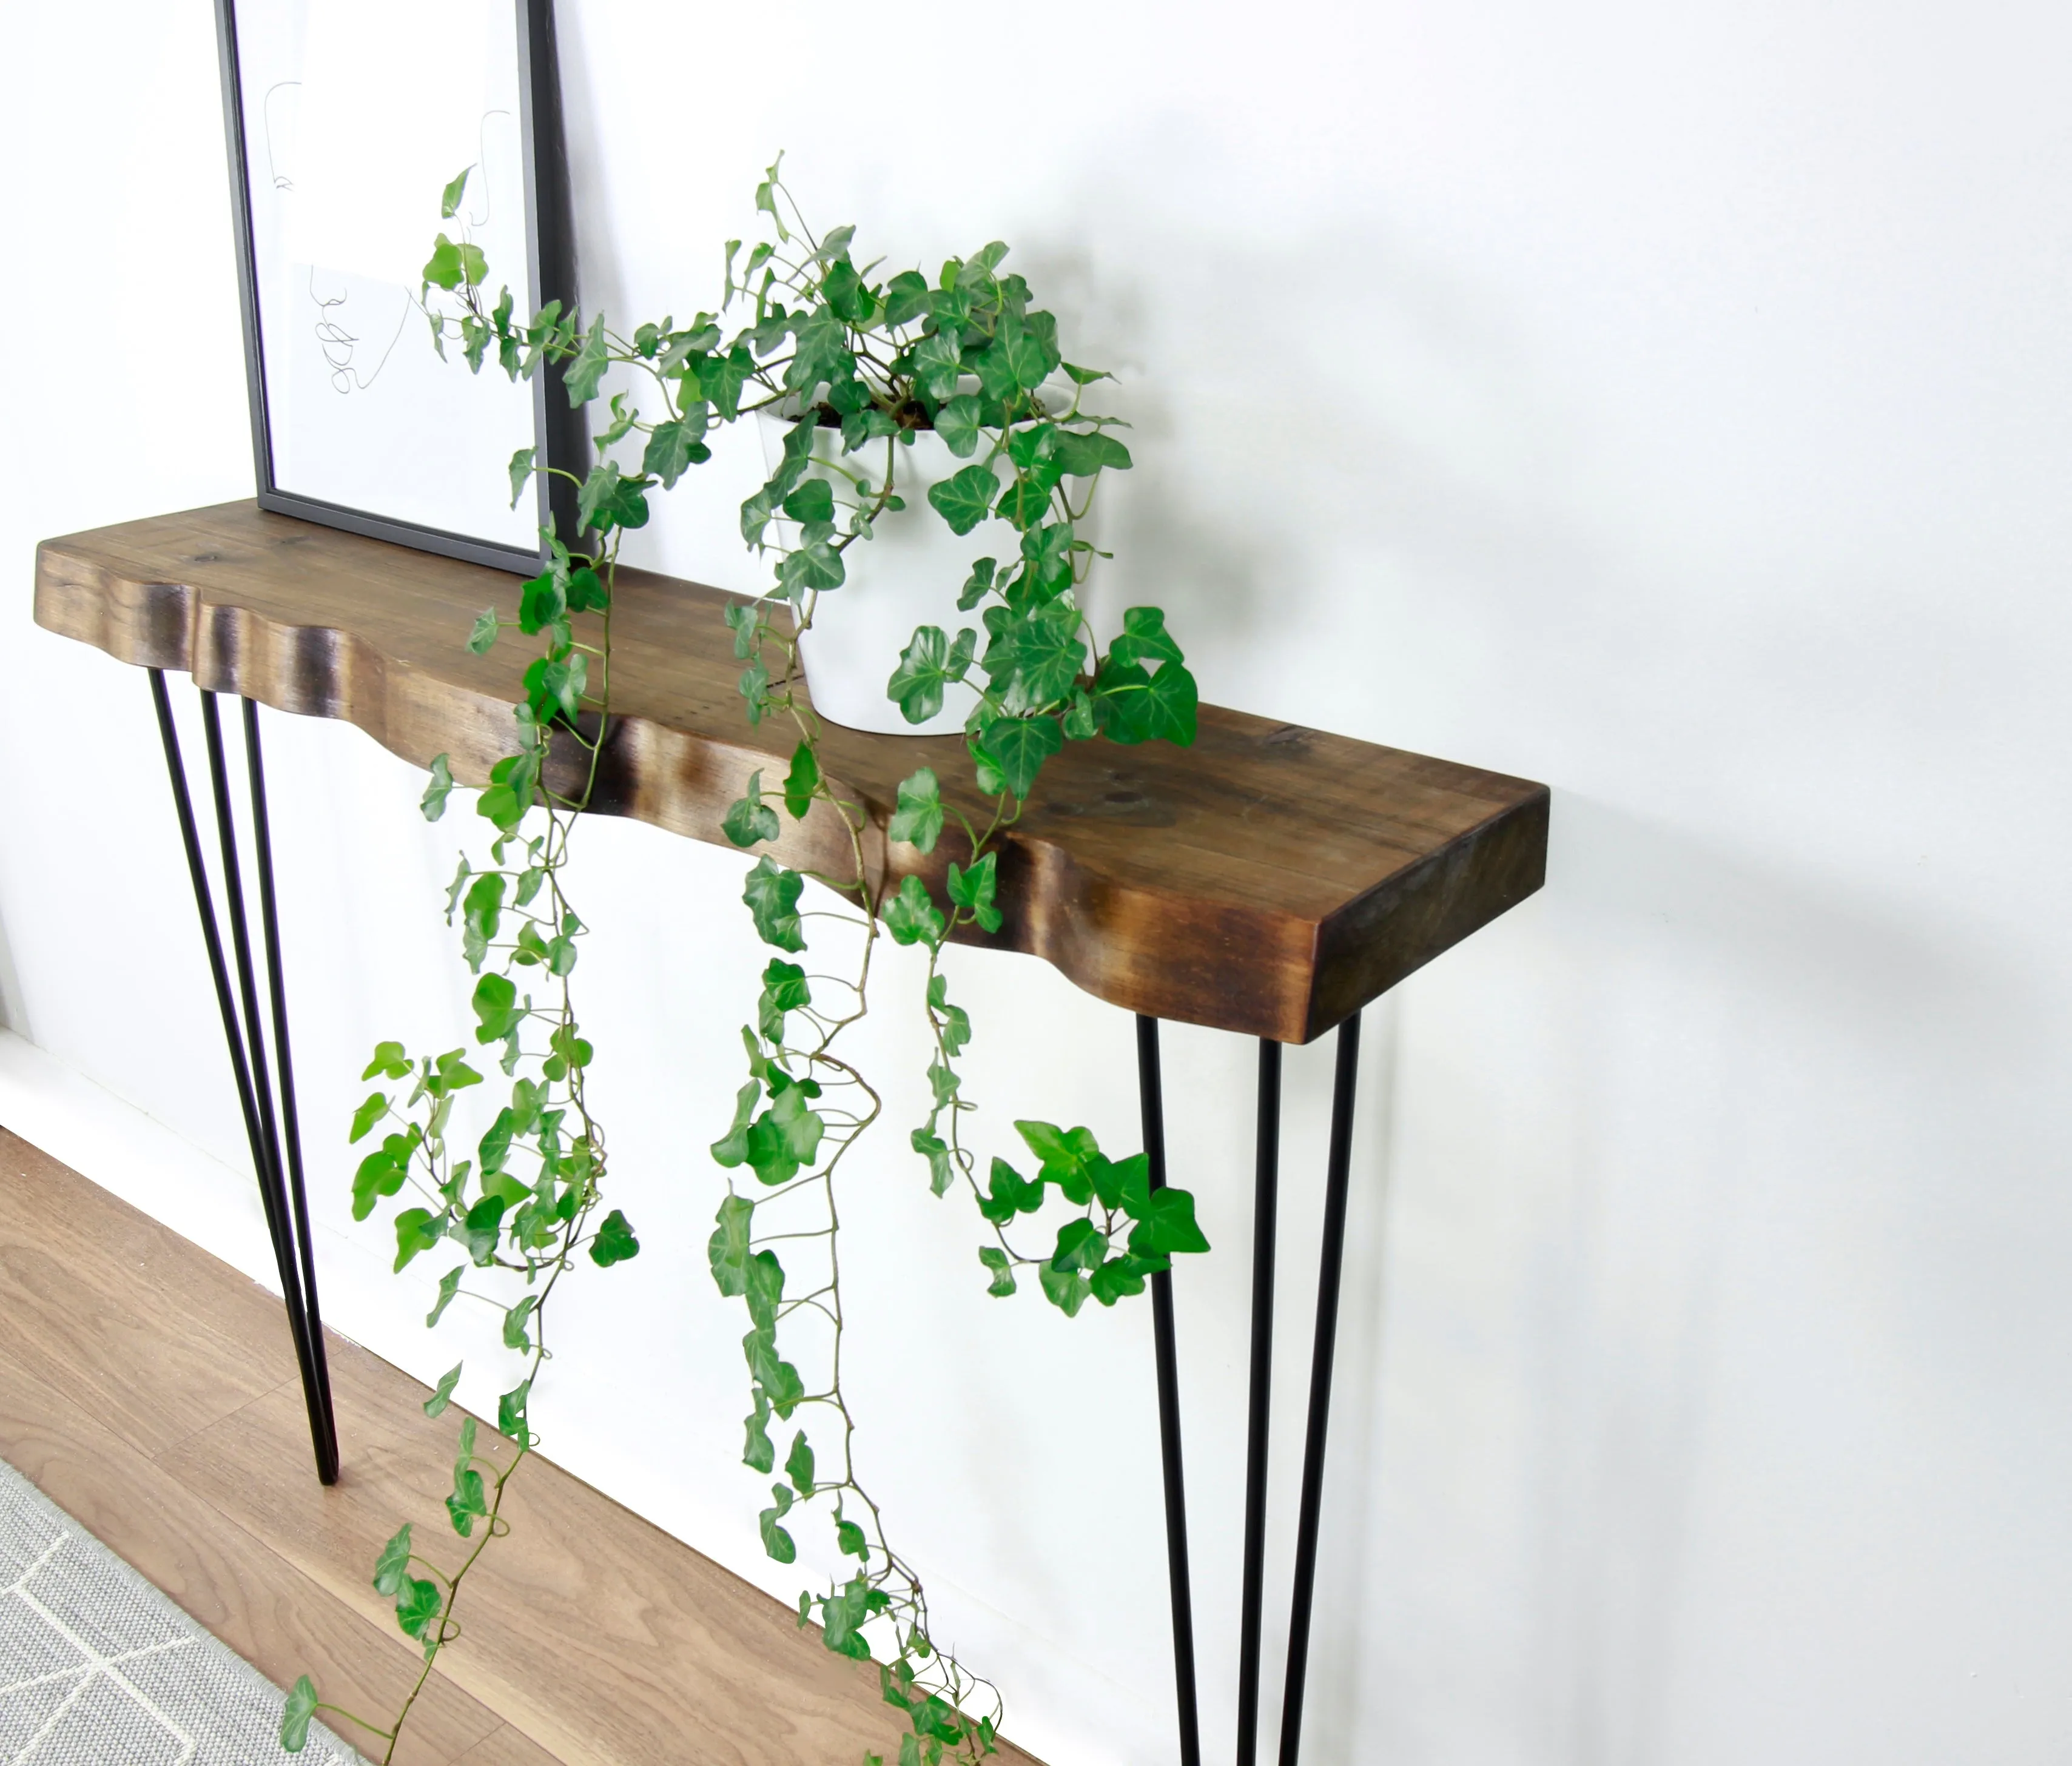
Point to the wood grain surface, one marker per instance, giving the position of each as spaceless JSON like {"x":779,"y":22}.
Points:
{"x":592,"y":1639}
{"x":1270,"y":880}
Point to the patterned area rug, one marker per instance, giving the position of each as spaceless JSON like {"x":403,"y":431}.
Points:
{"x":98,"y":1668}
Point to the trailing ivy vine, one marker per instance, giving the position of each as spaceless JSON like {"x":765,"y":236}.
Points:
{"x":832,"y":347}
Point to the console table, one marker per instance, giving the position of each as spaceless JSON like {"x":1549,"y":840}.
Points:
{"x":1270,"y":880}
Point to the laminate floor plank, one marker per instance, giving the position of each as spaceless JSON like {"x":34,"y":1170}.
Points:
{"x":506,"y":1747}
{"x":595,"y":1634}
{"x":149,"y":1390}
{"x":277,"y":1618}
{"x":103,"y":1302}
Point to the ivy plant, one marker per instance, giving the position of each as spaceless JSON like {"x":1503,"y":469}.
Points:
{"x":800,"y":330}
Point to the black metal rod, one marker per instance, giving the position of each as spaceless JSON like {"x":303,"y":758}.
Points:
{"x":1330,"y":1264}
{"x":212,"y":938}
{"x":266,"y":1150}
{"x":1151,"y":1096}
{"x":1265,"y":1208}
{"x":249,"y":1057}
{"x":316,"y":1392}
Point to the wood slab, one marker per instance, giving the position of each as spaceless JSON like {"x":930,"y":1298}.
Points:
{"x":1270,"y":880}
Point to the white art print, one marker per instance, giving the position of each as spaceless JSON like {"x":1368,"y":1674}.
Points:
{"x":357,"y":113}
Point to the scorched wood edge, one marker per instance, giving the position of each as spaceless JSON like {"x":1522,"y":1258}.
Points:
{"x":1271,"y":880}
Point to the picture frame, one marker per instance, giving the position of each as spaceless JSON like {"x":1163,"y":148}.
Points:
{"x":337,"y":114}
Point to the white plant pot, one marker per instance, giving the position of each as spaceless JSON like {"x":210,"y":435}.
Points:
{"x":909,"y":574}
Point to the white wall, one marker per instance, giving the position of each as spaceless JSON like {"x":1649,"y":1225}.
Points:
{"x":1671,"y":404}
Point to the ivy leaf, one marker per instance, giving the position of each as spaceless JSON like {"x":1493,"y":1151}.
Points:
{"x":383,"y":1172}
{"x":417,"y":1230}
{"x":510,"y":1411}
{"x":1020,"y":746}
{"x":813,"y":500}
{"x":1009,"y":1194}
{"x":369,"y":1113}
{"x":451,"y":264}
{"x":974,"y":889}
{"x":784,"y":989}
{"x":1081,"y":1246}
{"x":758,"y":1452}
{"x":295,"y":1715}
{"x":583,"y":374}
{"x":802,"y":782}
{"x":442,"y":1394}
{"x":930,"y":662}
{"x":1068,"y":1157}
{"x":1003,"y":1276}
{"x":727,"y":1250}
{"x":481,"y":636}
{"x":672,"y":449}
{"x":771,"y":894}
{"x":496,"y":1009}
{"x":910,"y":916}
{"x":449,"y":199}
{"x":955,"y":1026}
{"x":389,"y":1062}
{"x":1168,"y":1225}
{"x":515,"y":1320}
{"x":850,"y":1541}
{"x":610,"y":500}
{"x":393,"y":1565}
{"x":731,"y":1148}
{"x":965,"y":499}
{"x":1044,"y":655}
{"x":482,"y":913}
{"x":785,"y":1138}
{"x":957,"y":423}
{"x":749,"y":818}
{"x":720,"y":378}
{"x":468,"y":1501}
{"x":1145,"y":638}
{"x":1025,"y":504}
{"x":937,"y":363}
{"x":614,"y":1242}
{"x":1065,"y":1290}
{"x":841,"y":1619}
{"x":978,"y":584}
{"x":918,"y":818}
{"x":1171,"y":705}
{"x":433,"y":802}
{"x":449,"y":1286}
{"x":418,"y":1604}
{"x":936,"y":1151}
{"x":775,"y":1540}
{"x":812,"y":567}
{"x":906,"y":299}
{"x":1082,"y":456}
{"x":799,"y":1464}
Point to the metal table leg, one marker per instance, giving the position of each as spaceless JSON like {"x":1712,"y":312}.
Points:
{"x":1265,"y":1205}
{"x":1151,"y":1097}
{"x":280,"y":1187}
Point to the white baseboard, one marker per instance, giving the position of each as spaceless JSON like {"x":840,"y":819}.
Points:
{"x":81,"y":1123}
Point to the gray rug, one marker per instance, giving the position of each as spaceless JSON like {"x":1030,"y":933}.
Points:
{"x":98,"y":1668}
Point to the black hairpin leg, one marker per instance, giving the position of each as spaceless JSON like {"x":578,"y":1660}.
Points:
{"x":1329,"y":1264}
{"x":1265,"y":1208}
{"x":1151,"y":1097}
{"x":280,"y":1190}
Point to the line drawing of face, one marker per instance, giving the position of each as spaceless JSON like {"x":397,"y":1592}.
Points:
{"x":347,"y":307}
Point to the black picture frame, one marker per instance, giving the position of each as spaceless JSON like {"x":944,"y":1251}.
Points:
{"x":560,"y":430}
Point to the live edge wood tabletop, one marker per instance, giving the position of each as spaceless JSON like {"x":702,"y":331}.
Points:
{"x":1270,"y":880}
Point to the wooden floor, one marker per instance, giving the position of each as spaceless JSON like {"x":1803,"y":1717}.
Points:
{"x":149,"y":1390}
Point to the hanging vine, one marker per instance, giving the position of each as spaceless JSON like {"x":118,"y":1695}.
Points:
{"x":967,"y":357}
